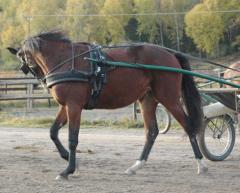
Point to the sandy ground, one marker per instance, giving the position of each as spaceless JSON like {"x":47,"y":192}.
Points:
{"x":29,"y":163}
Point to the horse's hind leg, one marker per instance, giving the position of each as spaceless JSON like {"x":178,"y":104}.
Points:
{"x":148,"y":110}
{"x":174,"y":106}
{"x":60,"y":121}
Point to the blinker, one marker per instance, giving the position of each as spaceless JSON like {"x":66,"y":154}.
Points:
{"x":24,"y":68}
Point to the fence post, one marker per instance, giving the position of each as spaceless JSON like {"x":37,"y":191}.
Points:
{"x":30,"y":93}
{"x":135,"y":111}
{"x":6,"y":88}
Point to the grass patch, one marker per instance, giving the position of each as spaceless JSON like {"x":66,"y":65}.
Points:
{"x":26,"y":122}
{"x":23,"y":104}
{"x":124,"y":123}
{"x":47,"y":122}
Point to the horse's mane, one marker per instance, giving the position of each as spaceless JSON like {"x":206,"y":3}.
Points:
{"x":55,"y":35}
{"x":33,"y":43}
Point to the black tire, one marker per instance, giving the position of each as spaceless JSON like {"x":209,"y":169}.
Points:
{"x":217,"y":138}
{"x":163,"y":119}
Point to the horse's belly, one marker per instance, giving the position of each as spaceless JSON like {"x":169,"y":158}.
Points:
{"x":124,"y":86}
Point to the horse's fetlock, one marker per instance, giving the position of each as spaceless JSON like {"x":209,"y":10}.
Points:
{"x":64,"y":156}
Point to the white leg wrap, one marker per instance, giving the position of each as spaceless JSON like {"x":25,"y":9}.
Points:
{"x":202,"y":167}
{"x":138,"y":165}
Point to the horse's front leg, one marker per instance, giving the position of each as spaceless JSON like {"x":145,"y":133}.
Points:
{"x":73,"y":115}
{"x":59,"y":122}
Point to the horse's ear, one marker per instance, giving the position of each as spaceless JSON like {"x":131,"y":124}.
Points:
{"x":12,"y":50}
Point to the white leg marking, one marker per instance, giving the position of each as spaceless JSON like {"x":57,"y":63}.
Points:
{"x":61,"y":178}
{"x":202,"y":167}
{"x":77,"y":170}
{"x":138,"y":165}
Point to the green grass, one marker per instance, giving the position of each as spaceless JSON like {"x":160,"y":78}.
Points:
{"x":22,"y":104}
{"x":47,"y":122}
{"x":6,"y":120}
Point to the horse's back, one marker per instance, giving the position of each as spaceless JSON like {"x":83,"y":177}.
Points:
{"x":126,"y":85}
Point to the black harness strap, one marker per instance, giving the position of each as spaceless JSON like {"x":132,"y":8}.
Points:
{"x":98,"y":77}
{"x":68,"y":76}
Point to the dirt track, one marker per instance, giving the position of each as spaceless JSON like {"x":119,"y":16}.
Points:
{"x":29,"y":164}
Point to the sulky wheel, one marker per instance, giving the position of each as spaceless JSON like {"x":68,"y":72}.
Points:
{"x":163,"y":119}
{"x":217,"y":138}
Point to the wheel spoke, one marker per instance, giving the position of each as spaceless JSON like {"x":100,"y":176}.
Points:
{"x":218,"y":138}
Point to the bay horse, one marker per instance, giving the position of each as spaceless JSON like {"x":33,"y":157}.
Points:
{"x":53,"y":52}
{"x":232,"y":75}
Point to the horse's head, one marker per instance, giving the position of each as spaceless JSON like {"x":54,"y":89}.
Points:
{"x":28,"y":63}
{"x":37,"y":54}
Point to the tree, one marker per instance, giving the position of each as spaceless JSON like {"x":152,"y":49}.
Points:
{"x":10,"y":33}
{"x":80,"y":27}
{"x":207,"y":27}
{"x":40,"y":16}
{"x":166,"y":29}
{"x":114,"y":30}
{"x":19,"y":20}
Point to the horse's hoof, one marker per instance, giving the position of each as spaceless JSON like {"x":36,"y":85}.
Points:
{"x":202,"y":170}
{"x":77,"y":165}
{"x":138,"y":165}
{"x":202,"y":167}
{"x":130,"y":172}
{"x":61,"y":178}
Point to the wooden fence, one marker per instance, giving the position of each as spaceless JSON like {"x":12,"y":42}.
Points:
{"x":22,"y":89}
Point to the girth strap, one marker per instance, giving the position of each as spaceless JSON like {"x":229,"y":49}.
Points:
{"x":96,"y":84}
{"x":98,"y":77}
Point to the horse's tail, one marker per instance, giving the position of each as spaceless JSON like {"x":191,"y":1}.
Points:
{"x":191,"y":98}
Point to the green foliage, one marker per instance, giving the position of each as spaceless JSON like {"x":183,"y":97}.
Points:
{"x":206,"y":26}
{"x":113,"y":31}
{"x":209,"y":31}
{"x":84,"y":28}
{"x":206,"y":38}
{"x":162,"y":28}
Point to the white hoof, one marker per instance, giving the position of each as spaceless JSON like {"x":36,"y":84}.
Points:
{"x":77,"y":165}
{"x":202,"y":167}
{"x":138,"y":165}
{"x":61,"y":178}
{"x":130,"y":172}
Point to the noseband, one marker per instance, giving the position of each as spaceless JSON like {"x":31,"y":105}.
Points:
{"x":27,"y":67}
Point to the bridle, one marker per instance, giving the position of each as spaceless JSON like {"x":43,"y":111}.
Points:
{"x":28,"y":67}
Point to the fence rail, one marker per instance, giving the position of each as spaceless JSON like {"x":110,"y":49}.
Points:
{"x":22,"y":89}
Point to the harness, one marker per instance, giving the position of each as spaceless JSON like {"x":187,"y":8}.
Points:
{"x":96,"y":77}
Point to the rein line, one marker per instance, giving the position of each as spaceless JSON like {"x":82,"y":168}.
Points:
{"x":200,"y":59}
{"x":167,"y":69}
{"x":72,"y":58}
{"x":95,"y":47}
